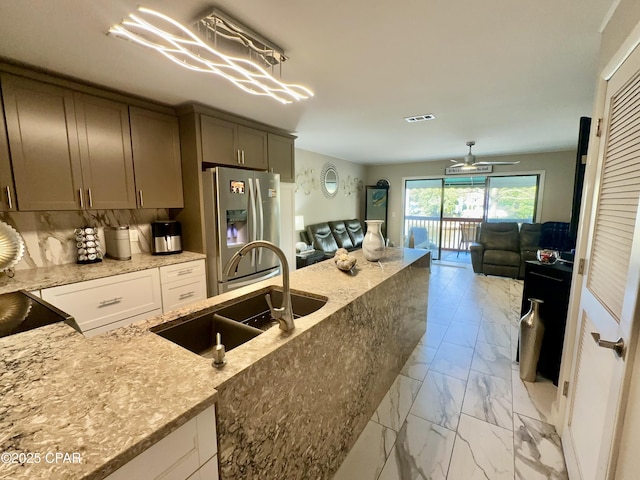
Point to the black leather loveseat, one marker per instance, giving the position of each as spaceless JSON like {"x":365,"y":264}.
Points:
{"x":330,"y":236}
{"x":503,"y":248}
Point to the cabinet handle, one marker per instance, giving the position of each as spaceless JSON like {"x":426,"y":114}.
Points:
{"x":141,"y":198}
{"x":81,"y":198}
{"x":9,"y":197}
{"x":186,"y":271}
{"x":90,"y":198}
{"x":186,"y":295}
{"x":112,"y":301}
{"x":238,"y":156}
{"x":243,"y":157}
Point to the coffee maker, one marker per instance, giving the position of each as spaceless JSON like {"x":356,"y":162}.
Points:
{"x":166,"y":237}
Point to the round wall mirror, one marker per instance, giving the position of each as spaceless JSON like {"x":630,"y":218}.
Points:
{"x":329,"y":180}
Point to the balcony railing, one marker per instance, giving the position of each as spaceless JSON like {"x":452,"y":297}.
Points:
{"x":453,"y":230}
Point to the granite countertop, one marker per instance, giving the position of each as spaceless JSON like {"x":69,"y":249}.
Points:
{"x":45,"y":277}
{"x":112,"y":396}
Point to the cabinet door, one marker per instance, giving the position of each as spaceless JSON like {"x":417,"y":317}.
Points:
{"x":219,"y":141}
{"x":105,"y":153}
{"x":155,"y":139}
{"x":43,"y":139}
{"x":7,"y":195}
{"x":253,"y":148}
{"x":281,"y":157}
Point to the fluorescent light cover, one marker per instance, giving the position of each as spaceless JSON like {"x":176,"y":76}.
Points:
{"x":186,"y":49}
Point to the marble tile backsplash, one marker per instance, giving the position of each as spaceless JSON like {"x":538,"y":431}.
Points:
{"x":49,"y":239}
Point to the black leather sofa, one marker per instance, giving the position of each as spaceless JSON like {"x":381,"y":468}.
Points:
{"x":503,"y":248}
{"x":330,"y":236}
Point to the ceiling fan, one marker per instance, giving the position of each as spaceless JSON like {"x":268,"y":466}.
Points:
{"x":470,"y":160}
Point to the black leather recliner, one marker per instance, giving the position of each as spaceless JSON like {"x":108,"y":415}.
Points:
{"x":497,"y":251}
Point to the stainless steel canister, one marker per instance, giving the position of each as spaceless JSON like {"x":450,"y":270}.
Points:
{"x":117,"y":242}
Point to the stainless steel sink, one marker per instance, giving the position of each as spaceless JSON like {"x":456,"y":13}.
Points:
{"x":198,"y":334}
{"x":254,"y":310}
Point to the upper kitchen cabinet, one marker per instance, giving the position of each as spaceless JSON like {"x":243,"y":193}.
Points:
{"x":7,"y":195}
{"x":227,"y":143}
{"x":43,"y":139}
{"x":282,"y":157}
{"x":105,"y":153}
{"x":155,"y":138}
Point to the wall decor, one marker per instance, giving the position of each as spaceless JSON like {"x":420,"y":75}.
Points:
{"x":329,"y":180}
{"x":375,"y":207}
{"x":351,"y":186}
{"x":306,"y":181}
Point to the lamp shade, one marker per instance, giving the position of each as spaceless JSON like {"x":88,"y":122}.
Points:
{"x":299,"y":222}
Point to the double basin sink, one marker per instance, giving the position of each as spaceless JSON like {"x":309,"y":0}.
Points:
{"x":236,"y":323}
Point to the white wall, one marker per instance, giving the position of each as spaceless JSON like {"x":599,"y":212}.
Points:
{"x":314,"y":206}
{"x":559,"y":168}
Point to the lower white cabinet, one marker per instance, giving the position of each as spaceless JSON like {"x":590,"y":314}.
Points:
{"x":183,"y":284}
{"x":190,"y":452}
{"x":107,"y":303}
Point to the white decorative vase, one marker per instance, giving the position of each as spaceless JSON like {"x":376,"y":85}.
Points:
{"x":373,"y":243}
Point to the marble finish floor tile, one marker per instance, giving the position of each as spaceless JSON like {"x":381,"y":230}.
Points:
{"x":367,"y":457}
{"x":422,"y":450}
{"x":419,"y":361}
{"x":488,"y":398}
{"x":533,"y":399}
{"x":538,"y":451}
{"x":435,"y":334}
{"x":395,"y":405}
{"x":472,"y":409}
{"x":468,"y":315}
{"x":463,"y":334}
{"x":481,"y":452}
{"x":440,"y":400}
{"x":453,"y":360}
{"x":495,"y":334}
{"x":496,"y":315}
{"x":492,"y":359}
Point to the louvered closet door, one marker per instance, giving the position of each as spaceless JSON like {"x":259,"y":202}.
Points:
{"x":609,"y":287}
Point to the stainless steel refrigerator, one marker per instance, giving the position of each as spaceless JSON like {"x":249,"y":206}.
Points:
{"x":240,"y":206}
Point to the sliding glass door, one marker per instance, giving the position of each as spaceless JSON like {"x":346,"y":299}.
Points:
{"x":423,"y":214}
{"x":512,"y":199}
{"x":442,"y":214}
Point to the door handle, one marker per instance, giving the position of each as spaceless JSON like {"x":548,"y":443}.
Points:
{"x":617,"y":346}
{"x":141,"y":198}
{"x":90,"y":198}
{"x":9,"y":197}
{"x":81,"y":195}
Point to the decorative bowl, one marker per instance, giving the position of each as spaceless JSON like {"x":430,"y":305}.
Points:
{"x":548,"y":257}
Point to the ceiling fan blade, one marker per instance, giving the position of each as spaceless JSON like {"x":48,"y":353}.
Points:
{"x":480,"y":164}
{"x":454,"y":161}
{"x":457,"y":164}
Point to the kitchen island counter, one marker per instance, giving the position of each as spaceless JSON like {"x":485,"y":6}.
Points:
{"x":112,"y":396}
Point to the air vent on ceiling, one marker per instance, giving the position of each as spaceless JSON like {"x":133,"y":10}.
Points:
{"x":420,"y":118}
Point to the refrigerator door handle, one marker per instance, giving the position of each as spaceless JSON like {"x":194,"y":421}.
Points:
{"x":252,"y":207}
{"x":260,"y":210}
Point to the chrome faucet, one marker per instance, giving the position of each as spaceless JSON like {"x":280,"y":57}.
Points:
{"x":283,"y":314}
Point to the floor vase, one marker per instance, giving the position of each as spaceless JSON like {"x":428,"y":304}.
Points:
{"x":531,"y":333}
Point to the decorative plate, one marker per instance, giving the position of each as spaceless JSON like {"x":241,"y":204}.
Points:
{"x":14,"y":308}
{"x":11,"y":247}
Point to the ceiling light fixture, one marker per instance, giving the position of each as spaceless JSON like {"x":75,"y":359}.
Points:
{"x":183,"y":47}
